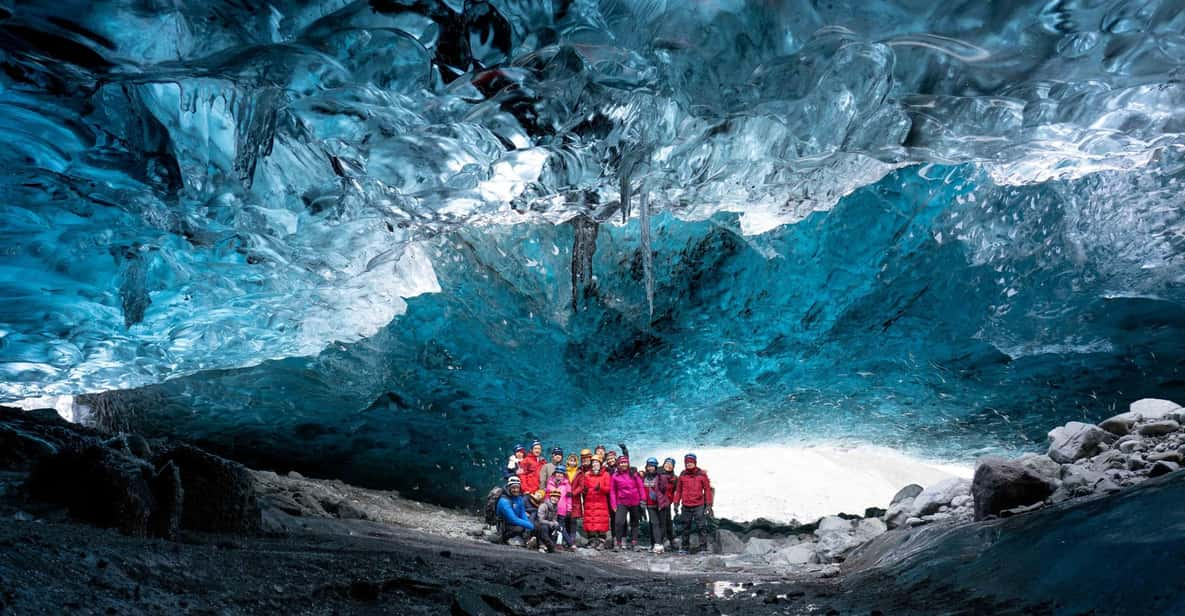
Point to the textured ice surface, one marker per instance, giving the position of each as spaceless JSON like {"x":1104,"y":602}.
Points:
{"x":246,"y":198}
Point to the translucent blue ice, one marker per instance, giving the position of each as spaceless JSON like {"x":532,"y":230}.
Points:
{"x":927,"y":222}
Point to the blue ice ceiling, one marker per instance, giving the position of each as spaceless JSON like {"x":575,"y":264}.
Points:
{"x":931,"y":223}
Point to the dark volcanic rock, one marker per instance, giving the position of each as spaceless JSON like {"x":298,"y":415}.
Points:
{"x":166,"y":487}
{"x":27,"y":437}
{"x":1001,"y":484}
{"x":98,"y":485}
{"x":219,"y":493}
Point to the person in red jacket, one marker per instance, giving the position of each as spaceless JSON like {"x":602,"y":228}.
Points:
{"x":596,"y":486}
{"x":528,"y":469}
{"x":693,"y":491}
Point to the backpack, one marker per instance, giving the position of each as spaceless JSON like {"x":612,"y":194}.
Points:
{"x":491,"y":510}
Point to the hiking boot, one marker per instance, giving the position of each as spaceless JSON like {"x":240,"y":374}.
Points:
{"x":533,"y":543}
{"x":633,"y":546}
{"x":617,"y":546}
{"x":658,"y":549}
{"x":515,"y":542}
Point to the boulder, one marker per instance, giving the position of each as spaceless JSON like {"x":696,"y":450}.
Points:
{"x":832,"y":546}
{"x":942,"y":493}
{"x":1163,"y":467}
{"x":1120,"y":424}
{"x":729,"y":542}
{"x":219,"y":493}
{"x":1151,"y":409}
{"x":760,"y":547}
{"x":21,"y":450}
{"x":831,"y":524}
{"x":1076,"y":440}
{"x":799,"y":554}
{"x":868,"y":529}
{"x":1159,"y":428}
{"x":1001,"y":484}
{"x":898,"y":513}
{"x":1081,"y":481}
{"x":1167,"y":456}
{"x":1130,"y":445}
{"x":908,"y":492}
{"x":98,"y":485}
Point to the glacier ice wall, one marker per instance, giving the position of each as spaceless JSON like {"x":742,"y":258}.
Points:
{"x":913,"y":221}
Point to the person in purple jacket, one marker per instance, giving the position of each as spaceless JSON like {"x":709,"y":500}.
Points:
{"x":659,"y":487}
{"x":625,"y":498}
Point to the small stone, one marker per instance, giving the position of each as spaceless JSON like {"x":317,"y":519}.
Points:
{"x":295,"y":475}
{"x":914,"y":521}
{"x":1159,"y":428}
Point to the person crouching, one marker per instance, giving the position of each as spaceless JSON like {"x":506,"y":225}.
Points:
{"x":547,"y":521}
{"x":514,"y":526}
{"x":558,"y":484}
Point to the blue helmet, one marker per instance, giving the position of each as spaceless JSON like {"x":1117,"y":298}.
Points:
{"x":518,"y":448}
{"x":651,"y":461}
{"x":535,"y":442}
{"x":690,"y":456}
{"x":671,"y":460}
{"x":557,"y":451}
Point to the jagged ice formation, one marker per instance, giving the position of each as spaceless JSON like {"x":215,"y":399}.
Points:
{"x":369,"y":226}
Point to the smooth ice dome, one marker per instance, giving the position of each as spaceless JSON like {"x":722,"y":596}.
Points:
{"x":365,"y":236}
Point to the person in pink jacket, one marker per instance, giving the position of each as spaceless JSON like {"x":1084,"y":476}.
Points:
{"x":625,"y":498}
{"x":558,"y":482}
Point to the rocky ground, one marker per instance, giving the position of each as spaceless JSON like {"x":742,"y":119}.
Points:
{"x":187,"y":532}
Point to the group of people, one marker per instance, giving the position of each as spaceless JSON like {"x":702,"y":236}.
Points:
{"x":546,"y":502}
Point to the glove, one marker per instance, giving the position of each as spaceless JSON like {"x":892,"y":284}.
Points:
{"x":709,"y":513}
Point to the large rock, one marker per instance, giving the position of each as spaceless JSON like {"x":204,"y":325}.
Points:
{"x":934,"y":497}
{"x":1163,"y":467}
{"x":910,"y":491}
{"x":899,"y":512}
{"x":1076,"y":440}
{"x":760,"y":547}
{"x":98,"y":485}
{"x":219,"y":493}
{"x":1120,"y":424}
{"x":1151,"y":409}
{"x":799,"y":554}
{"x":869,"y":529}
{"x":1159,"y":428}
{"x":833,"y":523}
{"x":729,"y":542}
{"x":832,"y":546}
{"x":1001,"y":484}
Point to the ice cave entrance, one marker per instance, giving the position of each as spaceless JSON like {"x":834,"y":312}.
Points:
{"x":807,"y":481}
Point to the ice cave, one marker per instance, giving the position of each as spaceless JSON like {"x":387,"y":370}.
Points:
{"x":284,"y":283}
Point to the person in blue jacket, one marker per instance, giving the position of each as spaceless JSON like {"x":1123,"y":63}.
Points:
{"x":512,"y":515}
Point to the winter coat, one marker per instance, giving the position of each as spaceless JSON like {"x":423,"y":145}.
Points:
{"x":578,"y":494}
{"x":545,"y":472}
{"x":666,"y":489}
{"x":660,"y":487}
{"x":561,"y":484}
{"x":512,"y":512}
{"x":597,"y":487}
{"x":693,"y":488}
{"x":627,"y":490}
{"x":528,"y":473}
{"x":545,"y":515}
